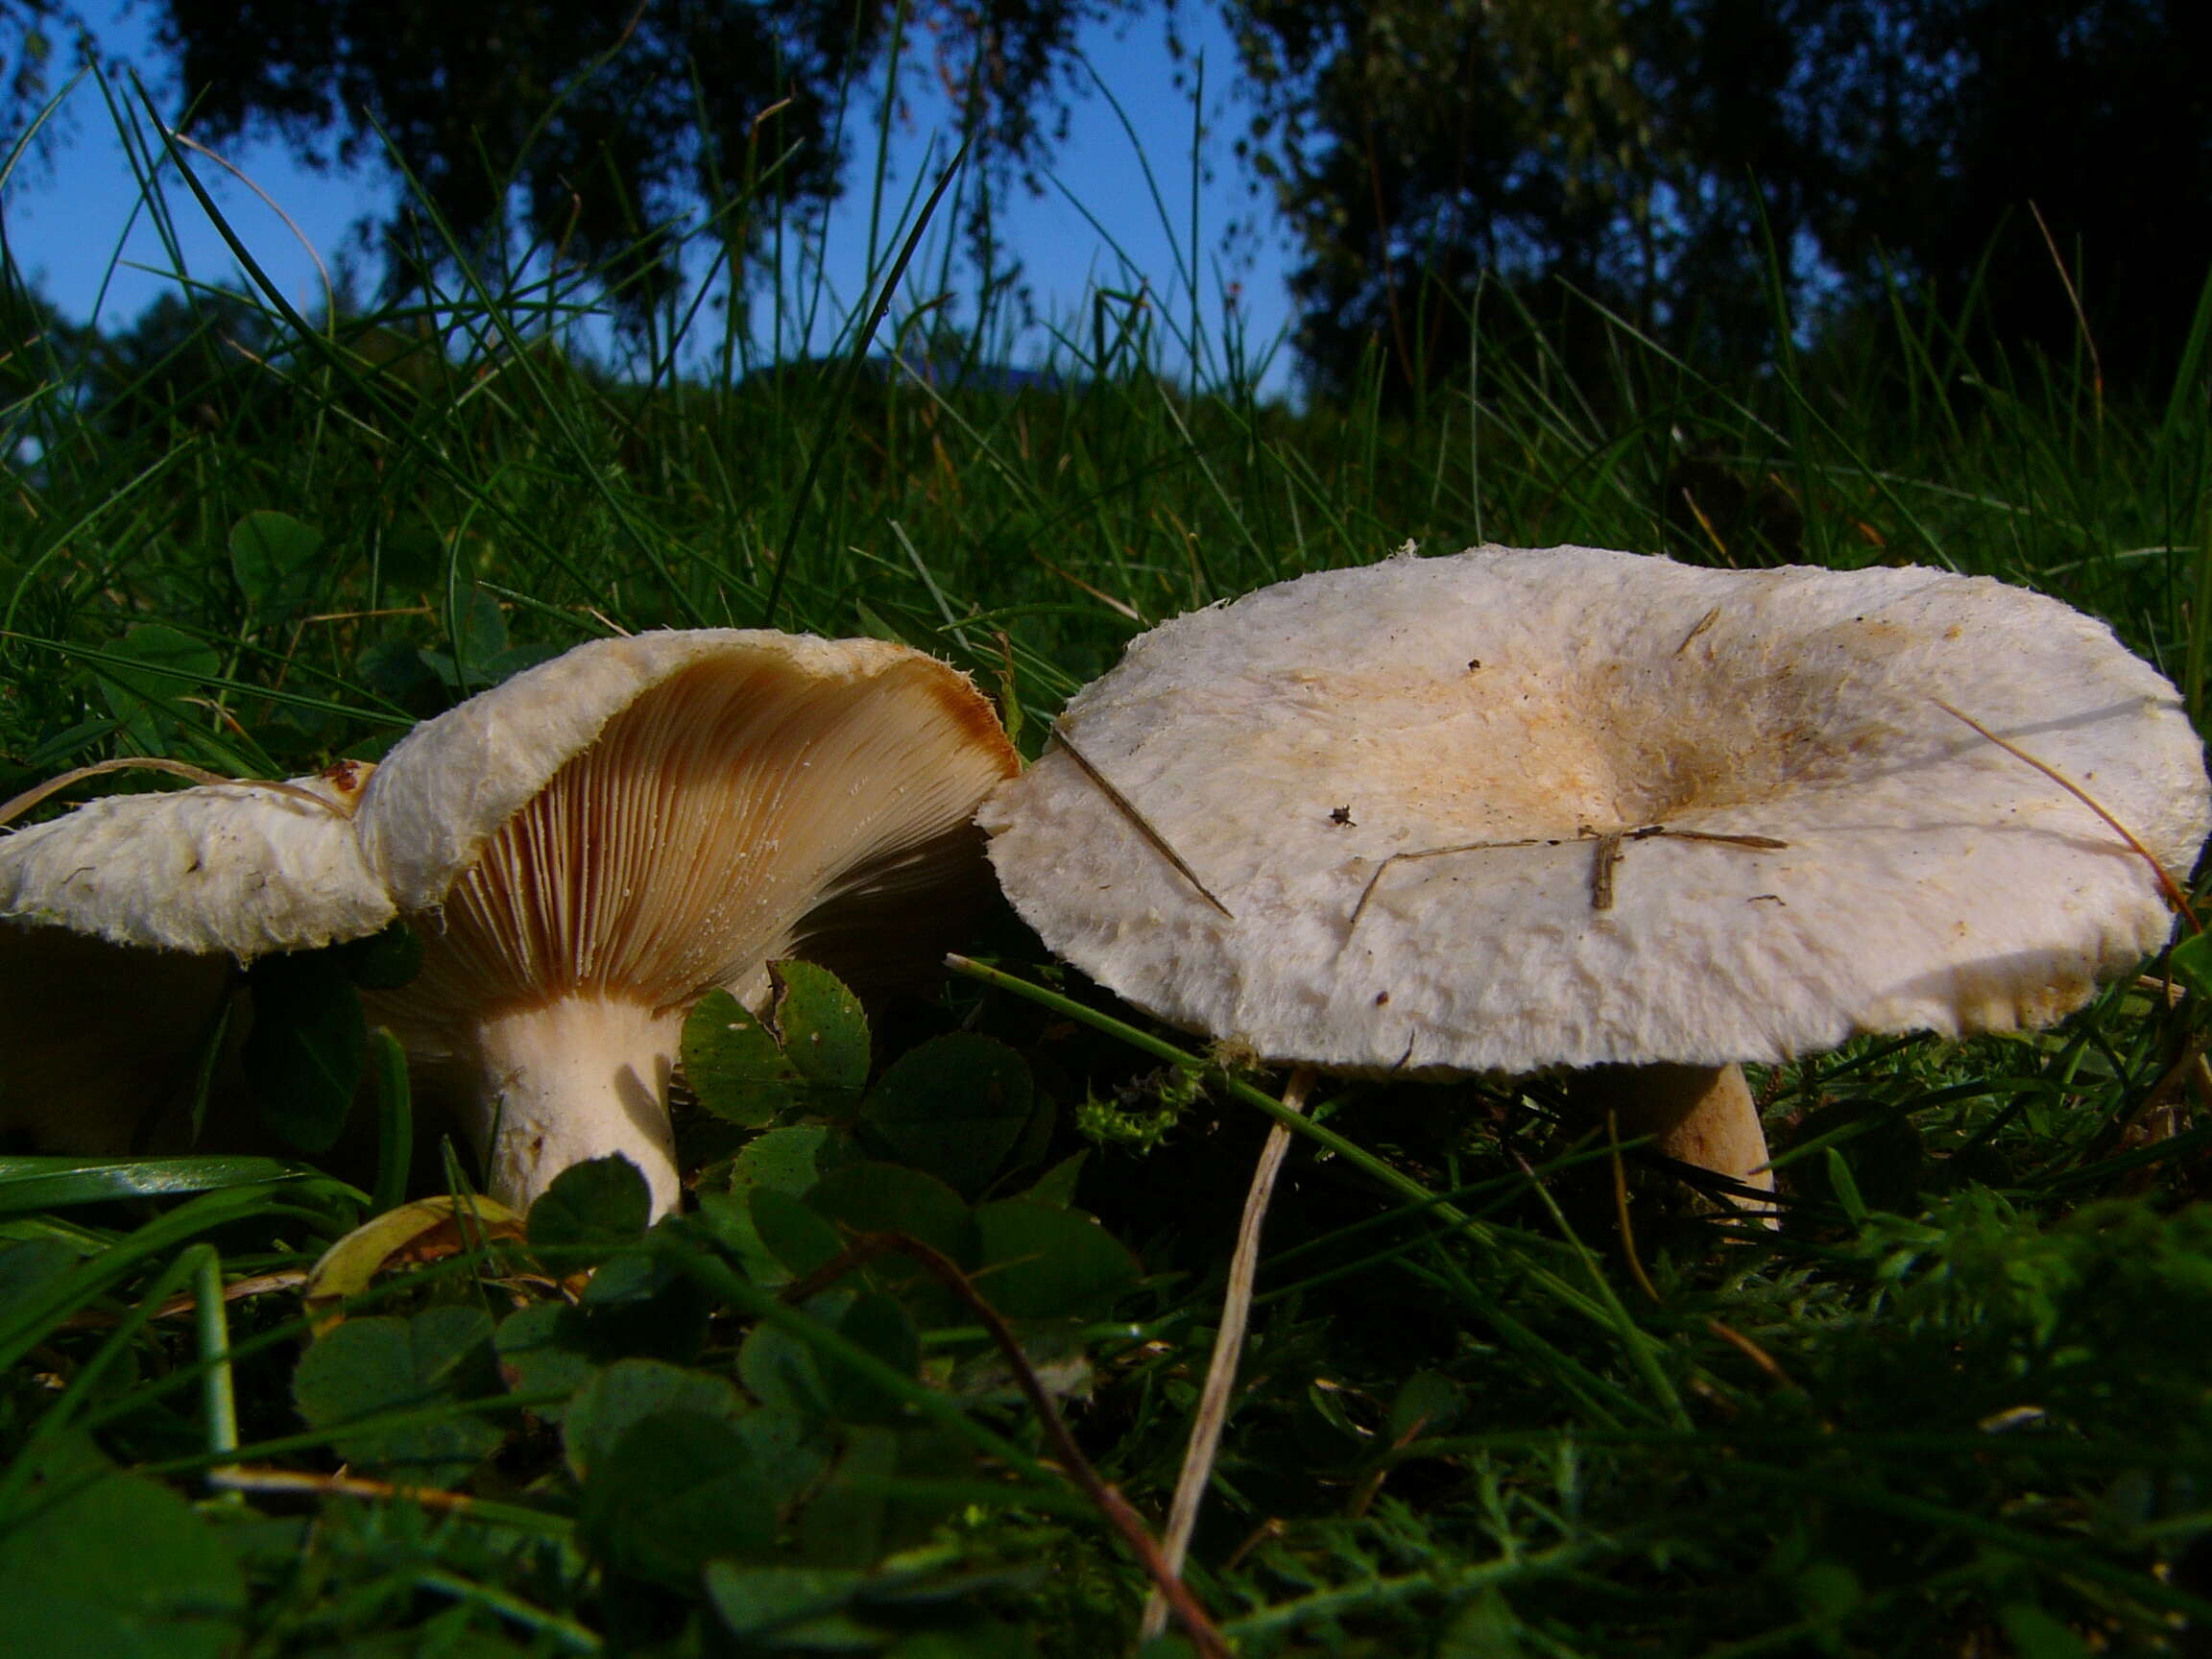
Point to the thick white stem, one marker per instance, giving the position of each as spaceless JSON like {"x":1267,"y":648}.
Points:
{"x":574,"y":1078}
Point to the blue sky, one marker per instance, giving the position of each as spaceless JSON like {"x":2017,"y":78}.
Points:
{"x":75,"y":226}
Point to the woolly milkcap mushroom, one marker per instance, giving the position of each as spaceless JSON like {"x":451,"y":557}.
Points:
{"x":1512,"y":810}
{"x":226,"y":869}
{"x":119,"y":921}
{"x":587,"y":849}
{"x":600,"y":840}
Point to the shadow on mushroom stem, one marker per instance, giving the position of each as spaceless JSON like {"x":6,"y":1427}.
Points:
{"x":1702,"y":1116}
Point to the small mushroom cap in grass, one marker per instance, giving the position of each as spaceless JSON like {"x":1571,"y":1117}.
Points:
{"x":1839,"y":854}
{"x":118,"y":925}
{"x":236,"y":870}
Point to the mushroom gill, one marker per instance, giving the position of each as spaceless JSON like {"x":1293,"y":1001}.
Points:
{"x":731,"y":813}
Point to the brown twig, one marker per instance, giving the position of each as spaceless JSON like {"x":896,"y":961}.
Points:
{"x":1376,"y":880}
{"x":1370,"y":1485}
{"x":250,"y":1478}
{"x":2182,"y":1071}
{"x":1751,"y":1351}
{"x":1205,"y":1635}
{"x":777,"y":108}
{"x":14,"y":809}
{"x":1122,"y":606}
{"x":1605,"y":854}
{"x":184,"y":1302}
{"x":371,"y":616}
{"x":1271,"y":1527}
{"x":1603,"y":861}
{"x":2081,"y":316}
{"x":1713,"y":615}
{"x":330,"y":293}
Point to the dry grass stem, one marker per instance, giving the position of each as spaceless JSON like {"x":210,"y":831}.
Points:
{"x":1605,"y":855}
{"x":1621,"y":1207}
{"x":250,"y":1478}
{"x":1213,"y":1414}
{"x":1128,"y":810}
{"x":2166,"y":882}
{"x":13,"y":809}
{"x":185,"y":1302}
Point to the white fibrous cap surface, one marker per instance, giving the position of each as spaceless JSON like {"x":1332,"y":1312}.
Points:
{"x":1289,"y":745}
{"x":643,"y":819}
{"x":229,"y":869}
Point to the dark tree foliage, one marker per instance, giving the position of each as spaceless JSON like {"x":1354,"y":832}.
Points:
{"x":1684,"y":159}
{"x":1419,"y":149}
{"x":25,"y":52}
{"x":584,"y":125}
{"x":39,"y":41}
{"x":2096,"y":113}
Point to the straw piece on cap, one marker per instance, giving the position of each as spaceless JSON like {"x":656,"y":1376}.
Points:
{"x":238,"y":870}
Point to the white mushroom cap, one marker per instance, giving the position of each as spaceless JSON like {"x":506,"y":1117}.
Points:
{"x":114,"y":923}
{"x":237,"y":870}
{"x":1928,"y":881}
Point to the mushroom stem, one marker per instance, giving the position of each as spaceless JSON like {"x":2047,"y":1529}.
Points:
{"x":575,"y":1077}
{"x":1699,"y":1115}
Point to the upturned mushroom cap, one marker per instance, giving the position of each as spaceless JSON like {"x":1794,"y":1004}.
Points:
{"x":650,"y":817}
{"x":600,"y":840}
{"x":115,"y":920}
{"x":235,"y":870}
{"x":1884,"y":867}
